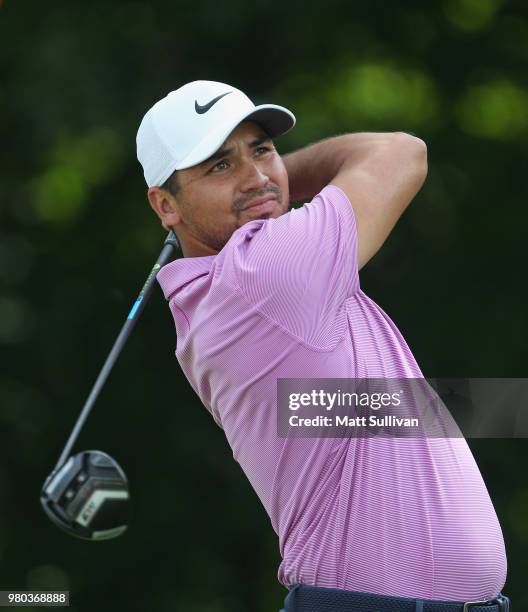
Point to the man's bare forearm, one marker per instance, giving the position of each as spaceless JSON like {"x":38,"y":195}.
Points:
{"x":314,"y":166}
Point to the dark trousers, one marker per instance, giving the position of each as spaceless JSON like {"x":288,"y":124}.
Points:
{"x":304,"y":598}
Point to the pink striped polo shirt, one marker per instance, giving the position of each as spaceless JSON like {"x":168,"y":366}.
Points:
{"x":393,"y":516}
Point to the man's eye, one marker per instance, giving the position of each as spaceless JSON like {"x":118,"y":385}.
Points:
{"x":263,"y":149}
{"x":216,"y":166}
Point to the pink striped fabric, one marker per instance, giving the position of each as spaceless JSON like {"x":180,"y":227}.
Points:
{"x":392,"y":516}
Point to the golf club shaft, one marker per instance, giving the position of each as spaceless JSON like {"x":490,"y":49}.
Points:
{"x":171,"y":243}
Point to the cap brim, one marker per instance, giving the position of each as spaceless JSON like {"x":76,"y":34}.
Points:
{"x":275,"y":120}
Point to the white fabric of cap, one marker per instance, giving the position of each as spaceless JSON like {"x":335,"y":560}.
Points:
{"x":184,"y":128}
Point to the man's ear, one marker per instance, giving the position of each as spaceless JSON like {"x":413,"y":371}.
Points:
{"x":165,"y":206}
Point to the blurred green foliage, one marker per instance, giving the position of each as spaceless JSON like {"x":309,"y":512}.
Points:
{"x":77,"y":238}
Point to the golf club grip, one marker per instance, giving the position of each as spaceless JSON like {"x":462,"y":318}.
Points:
{"x":170,"y":245}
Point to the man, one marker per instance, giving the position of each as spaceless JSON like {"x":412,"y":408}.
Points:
{"x":266,"y":291}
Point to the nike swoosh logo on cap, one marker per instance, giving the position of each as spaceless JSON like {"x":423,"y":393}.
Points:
{"x":203,"y":109}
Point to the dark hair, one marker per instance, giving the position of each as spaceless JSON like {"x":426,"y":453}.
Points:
{"x":172,"y":184}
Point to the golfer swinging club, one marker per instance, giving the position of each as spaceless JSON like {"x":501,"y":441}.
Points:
{"x":266,"y":291}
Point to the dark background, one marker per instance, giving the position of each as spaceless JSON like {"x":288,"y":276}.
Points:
{"x":78,"y":238}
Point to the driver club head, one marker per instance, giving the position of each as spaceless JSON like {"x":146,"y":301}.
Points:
{"x":88,"y":496}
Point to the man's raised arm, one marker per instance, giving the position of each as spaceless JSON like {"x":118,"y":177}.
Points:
{"x":379,"y":172}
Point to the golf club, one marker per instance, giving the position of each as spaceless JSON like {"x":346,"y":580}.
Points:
{"x":87,"y":495}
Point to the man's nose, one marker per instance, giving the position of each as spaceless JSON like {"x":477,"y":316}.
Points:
{"x":254,"y":177}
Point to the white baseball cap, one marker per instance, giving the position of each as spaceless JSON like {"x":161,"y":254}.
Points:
{"x":190,"y":124}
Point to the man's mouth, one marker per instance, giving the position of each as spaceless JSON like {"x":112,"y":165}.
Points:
{"x":263,"y":204}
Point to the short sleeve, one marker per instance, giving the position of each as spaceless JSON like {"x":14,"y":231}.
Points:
{"x":300,"y":268}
